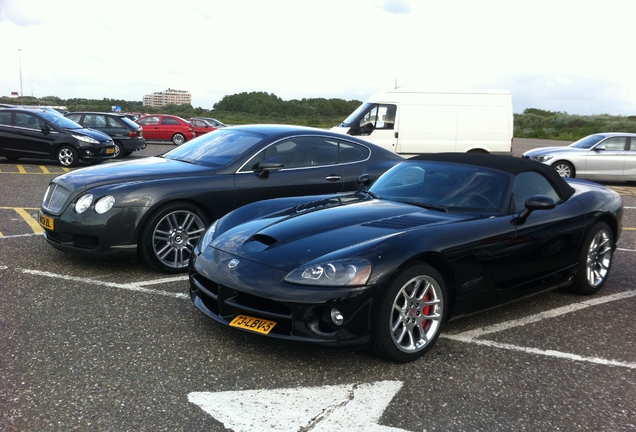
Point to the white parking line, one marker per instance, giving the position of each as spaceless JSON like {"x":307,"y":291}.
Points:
{"x":471,"y":336}
{"x":134,"y":286}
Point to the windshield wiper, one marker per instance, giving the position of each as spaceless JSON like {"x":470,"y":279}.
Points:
{"x":427,"y":206}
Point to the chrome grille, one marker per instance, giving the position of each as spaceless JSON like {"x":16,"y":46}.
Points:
{"x":55,"y":197}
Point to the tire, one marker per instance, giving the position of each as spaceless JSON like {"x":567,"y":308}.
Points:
{"x":169,"y":236}
{"x":119,"y":150}
{"x":178,"y":139}
{"x":564,"y":168}
{"x":67,"y":156}
{"x":595,"y":260}
{"x":410,"y":316}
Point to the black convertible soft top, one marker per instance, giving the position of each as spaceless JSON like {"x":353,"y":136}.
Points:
{"x":511,"y":164}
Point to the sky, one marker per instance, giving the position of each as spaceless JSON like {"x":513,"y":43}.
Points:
{"x":556,"y":55}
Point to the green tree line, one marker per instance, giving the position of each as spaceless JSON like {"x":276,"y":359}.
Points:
{"x":262,"y":107}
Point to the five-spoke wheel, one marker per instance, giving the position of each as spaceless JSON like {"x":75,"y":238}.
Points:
{"x":411,"y":315}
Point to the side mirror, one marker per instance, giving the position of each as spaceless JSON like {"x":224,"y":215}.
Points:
{"x":267,"y":165}
{"x":536,"y":202}
{"x":600,"y":147}
{"x":364,"y":181}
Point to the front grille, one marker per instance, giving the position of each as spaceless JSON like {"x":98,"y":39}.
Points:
{"x":227,"y":303}
{"x":55,"y":198}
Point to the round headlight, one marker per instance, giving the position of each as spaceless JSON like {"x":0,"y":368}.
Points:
{"x":104,"y":204}
{"x":83,"y":203}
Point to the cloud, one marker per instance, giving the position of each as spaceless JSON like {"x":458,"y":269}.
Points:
{"x":396,"y":6}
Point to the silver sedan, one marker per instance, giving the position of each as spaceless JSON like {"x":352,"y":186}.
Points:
{"x":602,"y":156}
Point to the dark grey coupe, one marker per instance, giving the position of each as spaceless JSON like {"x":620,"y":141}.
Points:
{"x":158,"y":207}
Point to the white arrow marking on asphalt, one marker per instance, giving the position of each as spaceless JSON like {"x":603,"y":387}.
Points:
{"x":354,"y":407}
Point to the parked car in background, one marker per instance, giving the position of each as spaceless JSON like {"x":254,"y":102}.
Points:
{"x":214,"y":122}
{"x":601,"y":156}
{"x":202,"y":126}
{"x":127,"y":135}
{"x":41,"y":133}
{"x":436,"y":236}
{"x":158,"y":207}
{"x":162,"y":127}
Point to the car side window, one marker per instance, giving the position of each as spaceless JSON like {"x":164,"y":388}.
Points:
{"x":149,"y":121}
{"x":27,"y":121}
{"x":5,"y":118}
{"x":74,"y":117}
{"x":169,"y":121}
{"x":614,"y":143}
{"x":298,"y":152}
{"x":94,"y":121}
{"x":528,"y":184}
{"x":349,"y":152}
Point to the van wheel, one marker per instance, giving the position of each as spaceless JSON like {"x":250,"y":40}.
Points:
{"x":169,"y":236}
{"x":67,"y":156}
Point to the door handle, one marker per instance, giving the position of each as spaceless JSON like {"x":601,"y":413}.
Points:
{"x":333,"y":178}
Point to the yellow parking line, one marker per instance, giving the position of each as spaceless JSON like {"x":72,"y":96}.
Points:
{"x":44,"y":169}
{"x":21,"y":169}
{"x":35,"y":226}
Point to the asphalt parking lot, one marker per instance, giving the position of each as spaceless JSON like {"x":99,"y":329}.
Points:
{"x":91,"y":344}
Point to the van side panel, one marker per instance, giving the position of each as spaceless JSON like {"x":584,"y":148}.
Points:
{"x":435,"y":121}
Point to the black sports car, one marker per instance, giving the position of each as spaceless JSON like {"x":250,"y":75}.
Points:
{"x":158,"y":207}
{"x":437,"y":236}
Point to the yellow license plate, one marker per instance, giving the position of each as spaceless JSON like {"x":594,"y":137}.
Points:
{"x":257,"y":325}
{"x":110,"y":151}
{"x":46,"y":222}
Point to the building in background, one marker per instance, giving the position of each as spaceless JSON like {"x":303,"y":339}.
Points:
{"x":168,"y":97}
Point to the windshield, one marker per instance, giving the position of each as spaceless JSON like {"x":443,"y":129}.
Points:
{"x":444,"y":186}
{"x":587,"y":142}
{"x":217,"y":148}
{"x":355,"y":116}
{"x":59,"y":120}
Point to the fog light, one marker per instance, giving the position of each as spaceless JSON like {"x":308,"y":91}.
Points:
{"x":336,"y":317}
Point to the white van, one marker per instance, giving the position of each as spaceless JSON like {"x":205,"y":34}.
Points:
{"x":411,"y":122}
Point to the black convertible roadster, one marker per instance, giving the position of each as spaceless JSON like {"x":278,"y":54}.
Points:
{"x":437,"y":236}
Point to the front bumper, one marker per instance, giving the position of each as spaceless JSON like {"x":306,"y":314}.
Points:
{"x":111,"y":234}
{"x":301,"y":313}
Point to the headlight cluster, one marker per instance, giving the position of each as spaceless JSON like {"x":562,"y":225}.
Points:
{"x":541,"y":159}
{"x":208,"y":236}
{"x":345,"y":272}
{"x":102,"y":205}
{"x":86,"y":139}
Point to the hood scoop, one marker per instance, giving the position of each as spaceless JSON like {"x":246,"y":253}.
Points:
{"x":258,"y":242}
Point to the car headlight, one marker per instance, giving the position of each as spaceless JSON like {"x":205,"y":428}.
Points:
{"x":208,"y":236}
{"x":104,"y":204}
{"x":542,"y":159}
{"x":86,"y":139}
{"x":345,"y":272}
{"x":83,"y":203}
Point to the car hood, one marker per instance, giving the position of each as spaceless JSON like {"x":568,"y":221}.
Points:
{"x":95,"y":134}
{"x":129,"y":171}
{"x":543,"y":151}
{"x":288,"y":240}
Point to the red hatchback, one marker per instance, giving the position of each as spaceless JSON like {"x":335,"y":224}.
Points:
{"x":162,"y":127}
{"x":202,"y":126}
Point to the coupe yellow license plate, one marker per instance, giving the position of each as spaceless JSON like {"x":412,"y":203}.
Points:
{"x":110,"y":151}
{"x":46,"y":222}
{"x":257,"y":325}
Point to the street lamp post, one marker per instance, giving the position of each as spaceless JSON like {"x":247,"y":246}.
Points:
{"x":21,"y":92}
